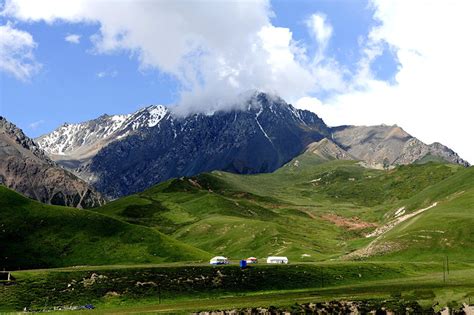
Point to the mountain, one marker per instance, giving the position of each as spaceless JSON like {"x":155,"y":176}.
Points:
{"x":310,"y":209}
{"x":328,"y":150}
{"x":318,"y":211}
{"x":390,"y":145}
{"x":72,"y":145}
{"x":260,"y":137}
{"x":125,"y":154}
{"x":25,"y":167}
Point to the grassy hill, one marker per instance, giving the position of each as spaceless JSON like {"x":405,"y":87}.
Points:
{"x":34,"y":235}
{"x":315,"y":211}
{"x":310,"y":210}
{"x":445,"y":230}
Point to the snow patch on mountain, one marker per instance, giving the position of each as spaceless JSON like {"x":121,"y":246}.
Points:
{"x":95,"y":133}
{"x":157,"y":113}
{"x":260,"y":126}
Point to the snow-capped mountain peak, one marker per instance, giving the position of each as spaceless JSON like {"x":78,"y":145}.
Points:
{"x":85,"y":138}
{"x":149,"y":116}
{"x":125,"y":154}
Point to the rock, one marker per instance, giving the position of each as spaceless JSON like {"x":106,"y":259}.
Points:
{"x":25,"y":168}
{"x":384,"y":146}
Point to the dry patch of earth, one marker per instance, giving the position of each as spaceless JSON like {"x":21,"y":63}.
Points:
{"x":353,"y":223}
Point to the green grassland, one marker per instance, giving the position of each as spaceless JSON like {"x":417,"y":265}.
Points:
{"x":317,"y":212}
{"x":444,"y":230}
{"x":34,"y":235}
{"x":309,"y":210}
{"x":172,"y":288}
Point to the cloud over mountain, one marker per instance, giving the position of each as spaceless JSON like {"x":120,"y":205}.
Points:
{"x":216,"y":50}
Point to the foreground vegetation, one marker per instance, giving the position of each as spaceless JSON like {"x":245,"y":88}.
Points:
{"x":195,"y":287}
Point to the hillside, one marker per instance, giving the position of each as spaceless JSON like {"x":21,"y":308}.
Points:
{"x":443,"y":230}
{"x":333,"y":218}
{"x":313,"y":208}
{"x":34,"y":235}
{"x":25,"y":168}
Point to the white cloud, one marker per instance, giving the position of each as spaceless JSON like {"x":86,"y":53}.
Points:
{"x":230,"y":47}
{"x":327,"y":73}
{"x":104,"y":74}
{"x":321,"y":30}
{"x":16,"y":53}
{"x":215,"y":51}
{"x":73,"y":38}
{"x":36,"y":124}
{"x":432,"y":95}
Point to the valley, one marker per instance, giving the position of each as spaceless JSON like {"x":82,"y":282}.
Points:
{"x":318,"y":212}
{"x":367,"y":214}
{"x":254,"y":157}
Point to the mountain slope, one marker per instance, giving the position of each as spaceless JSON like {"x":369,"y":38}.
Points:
{"x":443,"y":228}
{"x":78,"y":142}
{"x":35,"y":235}
{"x":25,"y":168}
{"x":311,"y":209}
{"x":383,"y":145}
{"x":261,"y":138}
{"x":126,"y":154}
{"x":328,"y":150}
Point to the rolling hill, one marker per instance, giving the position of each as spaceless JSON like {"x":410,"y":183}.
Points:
{"x":350,"y":232}
{"x":314,"y":208}
{"x":35,"y":235}
{"x":444,"y":230}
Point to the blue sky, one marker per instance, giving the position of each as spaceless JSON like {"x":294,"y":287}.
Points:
{"x":361,"y":62}
{"x":68,"y":87}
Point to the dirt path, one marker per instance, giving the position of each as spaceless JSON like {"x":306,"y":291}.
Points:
{"x":375,"y":247}
{"x":390,"y":225}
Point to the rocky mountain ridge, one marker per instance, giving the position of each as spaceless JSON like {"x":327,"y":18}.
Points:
{"x":260,"y":138}
{"x":382,"y":146}
{"x":123,"y":154}
{"x":83,"y":140}
{"x":328,"y":150}
{"x":25,"y":167}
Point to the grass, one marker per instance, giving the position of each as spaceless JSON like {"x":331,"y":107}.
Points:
{"x":445,"y":230}
{"x":34,"y":235}
{"x":303,"y":210}
{"x":195,"y":287}
{"x":315,"y":212}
